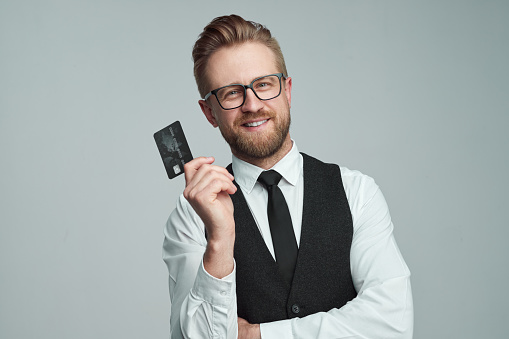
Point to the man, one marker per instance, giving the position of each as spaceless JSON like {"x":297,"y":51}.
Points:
{"x":310,"y":254}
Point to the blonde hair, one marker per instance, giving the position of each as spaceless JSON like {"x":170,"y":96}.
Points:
{"x":227,"y":31}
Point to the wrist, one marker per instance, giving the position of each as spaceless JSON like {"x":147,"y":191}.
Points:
{"x":218,"y":257}
{"x":256,"y":333}
{"x":220,"y":235}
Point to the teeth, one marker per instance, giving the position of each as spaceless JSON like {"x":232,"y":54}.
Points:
{"x":254,"y":124}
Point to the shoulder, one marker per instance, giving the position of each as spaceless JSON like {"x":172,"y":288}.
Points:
{"x":359,"y":187}
{"x":356,"y":181}
{"x":366,"y":201}
{"x":353,"y":180}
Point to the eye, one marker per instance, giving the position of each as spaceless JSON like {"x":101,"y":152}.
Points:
{"x":231,"y":93}
{"x":263,"y":85}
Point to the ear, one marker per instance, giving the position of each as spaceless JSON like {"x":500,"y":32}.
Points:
{"x":207,"y":110}
{"x":288,"y":90}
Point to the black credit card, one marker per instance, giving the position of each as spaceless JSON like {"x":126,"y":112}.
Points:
{"x":173,"y":147}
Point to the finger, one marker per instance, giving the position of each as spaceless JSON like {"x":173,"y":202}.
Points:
{"x":200,"y":166}
{"x":209,"y":186}
{"x":221,"y":185}
{"x":210,"y":193}
{"x":202,"y":179}
{"x":207,"y":171}
{"x":194,"y":165}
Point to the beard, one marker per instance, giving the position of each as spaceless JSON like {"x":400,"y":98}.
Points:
{"x":257,"y":145}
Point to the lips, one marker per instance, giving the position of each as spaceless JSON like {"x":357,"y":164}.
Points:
{"x":255,"y":123}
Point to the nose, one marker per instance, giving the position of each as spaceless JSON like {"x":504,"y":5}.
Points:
{"x":252,"y":103}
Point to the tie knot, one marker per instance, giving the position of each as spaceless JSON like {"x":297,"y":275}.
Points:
{"x":269,"y":178}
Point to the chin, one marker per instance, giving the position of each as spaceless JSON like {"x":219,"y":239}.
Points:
{"x":257,"y":147}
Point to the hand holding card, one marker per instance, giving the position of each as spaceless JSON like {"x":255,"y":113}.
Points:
{"x":208,"y":189}
{"x":174,"y":149}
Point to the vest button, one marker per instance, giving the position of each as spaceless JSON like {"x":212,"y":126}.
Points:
{"x":295,"y":309}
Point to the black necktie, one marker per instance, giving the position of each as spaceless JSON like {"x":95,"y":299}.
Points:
{"x":280,"y":222}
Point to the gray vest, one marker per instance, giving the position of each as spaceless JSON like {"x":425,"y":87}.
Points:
{"x":322,"y":278}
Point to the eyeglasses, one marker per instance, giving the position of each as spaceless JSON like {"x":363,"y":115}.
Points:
{"x":233,"y":96}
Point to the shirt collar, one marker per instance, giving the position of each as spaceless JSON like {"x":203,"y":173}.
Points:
{"x":247,"y":174}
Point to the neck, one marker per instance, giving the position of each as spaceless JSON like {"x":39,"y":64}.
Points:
{"x":269,"y":161}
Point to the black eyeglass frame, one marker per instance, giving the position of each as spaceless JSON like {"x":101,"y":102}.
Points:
{"x":279,"y":75}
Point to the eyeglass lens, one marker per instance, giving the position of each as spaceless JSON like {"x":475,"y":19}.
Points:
{"x":265,"y":88}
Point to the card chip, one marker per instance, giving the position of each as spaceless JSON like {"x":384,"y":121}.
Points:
{"x":176,"y":169}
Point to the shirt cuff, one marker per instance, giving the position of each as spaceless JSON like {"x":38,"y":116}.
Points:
{"x":277,"y":330}
{"x":217,"y":292}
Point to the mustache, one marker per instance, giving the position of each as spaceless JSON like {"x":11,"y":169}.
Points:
{"x":253,"y":116}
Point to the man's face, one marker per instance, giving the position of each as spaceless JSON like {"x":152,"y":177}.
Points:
{"x":257,"y":129}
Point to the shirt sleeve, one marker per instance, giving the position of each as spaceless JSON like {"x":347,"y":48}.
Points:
{"x":383,"y":307}
{"x":202,"y":306}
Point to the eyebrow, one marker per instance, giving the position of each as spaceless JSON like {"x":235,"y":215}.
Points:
{"x":239,"y":83}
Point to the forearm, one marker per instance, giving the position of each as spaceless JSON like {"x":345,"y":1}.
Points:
{"x":383,"y":311}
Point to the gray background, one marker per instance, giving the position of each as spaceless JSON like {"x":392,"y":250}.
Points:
{"x":413,"y":93}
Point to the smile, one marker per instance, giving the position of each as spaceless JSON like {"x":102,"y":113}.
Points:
{"x":256,"y":123}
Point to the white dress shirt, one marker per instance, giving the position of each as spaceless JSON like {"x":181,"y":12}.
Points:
{"x":206,"y":307}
